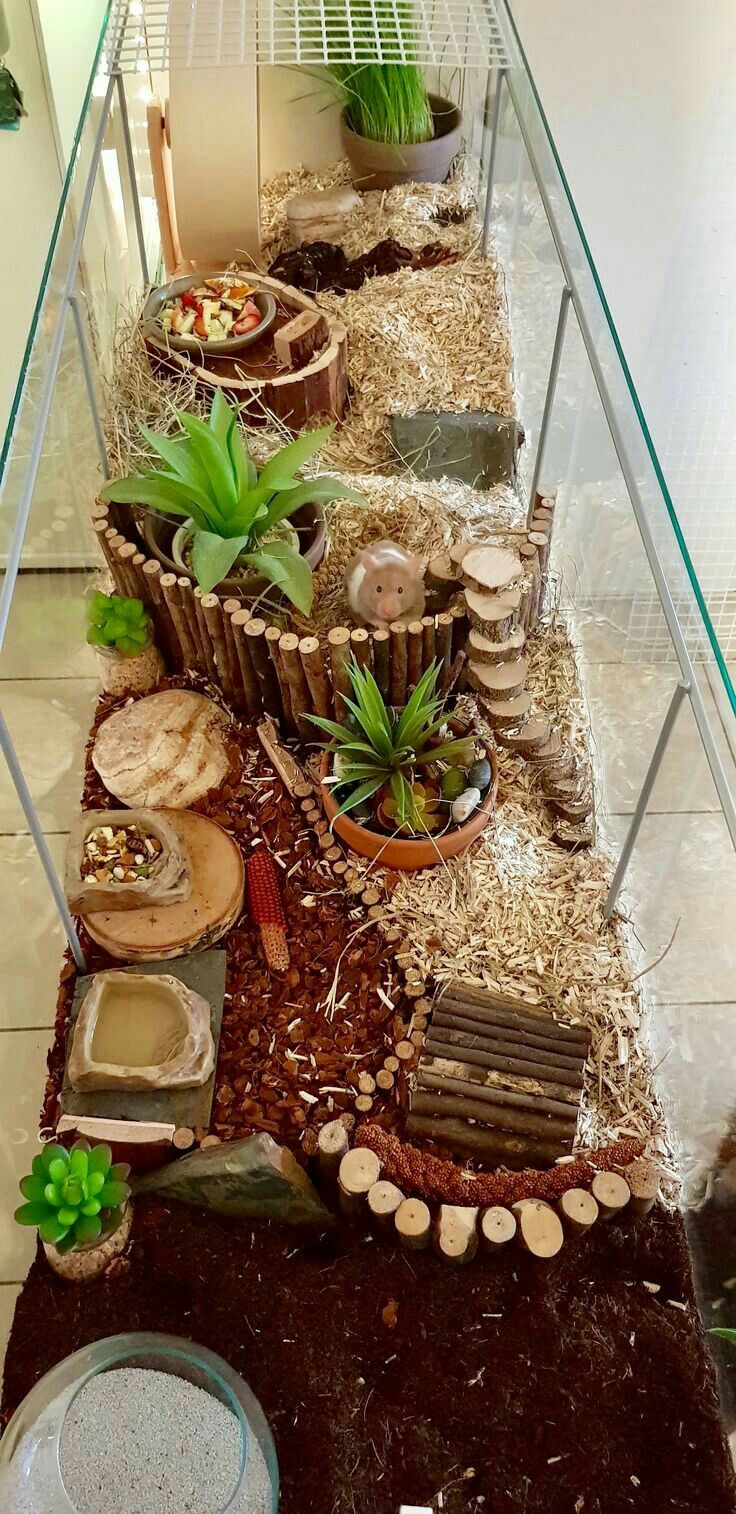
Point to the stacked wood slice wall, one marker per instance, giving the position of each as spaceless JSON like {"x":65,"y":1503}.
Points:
{"x":498,"y":1077}
{"x":263,"y":668}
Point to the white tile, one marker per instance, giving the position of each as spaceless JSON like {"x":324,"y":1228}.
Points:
{"x":22,"y":1079}
{"x":683,"y":869}
{"x":694,"y":1046}
{"x":627,"y":706}
{"x":49,"y":723}
{"x":46,"y":635}
{"x":8,"y":1298}
{"x":31,"y":940}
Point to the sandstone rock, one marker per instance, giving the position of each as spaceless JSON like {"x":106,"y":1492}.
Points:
{"x":165,"y":749}
{"x":141,"y":1030}
{"x":323,"y":216}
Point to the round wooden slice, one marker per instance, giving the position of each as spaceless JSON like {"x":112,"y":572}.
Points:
{"x":531,"y":735}
{"x":502,"y":681}
{"x":480,"y":649}
{"x":486,"y":568}
{"x":157,"y":933}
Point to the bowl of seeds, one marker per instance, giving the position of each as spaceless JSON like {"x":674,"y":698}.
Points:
{"x":125,"y":859}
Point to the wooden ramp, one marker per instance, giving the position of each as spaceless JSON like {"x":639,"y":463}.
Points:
{"x":498,"y":1078}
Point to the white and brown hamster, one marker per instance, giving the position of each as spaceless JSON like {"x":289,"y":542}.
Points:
{"x":384,"y":582}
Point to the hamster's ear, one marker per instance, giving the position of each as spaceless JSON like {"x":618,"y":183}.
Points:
{"x":368,"y":558}
{"x":418,"y":565}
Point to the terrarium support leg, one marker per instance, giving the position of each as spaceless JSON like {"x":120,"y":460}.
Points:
{"x":130,"y":160}
{"x":681,"y":689}
{"x":89,"y":384}
{"x":488,"y":212}
{"x":40,"y":843}
{"x":549,"y":401}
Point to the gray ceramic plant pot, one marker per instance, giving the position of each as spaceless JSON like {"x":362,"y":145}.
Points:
{"x":311,"y":526}
{"x":380,"y":165}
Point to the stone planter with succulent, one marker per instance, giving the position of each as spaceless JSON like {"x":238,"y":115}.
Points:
{"x":78,"y":1199}
{"x":121,"y":631}
{"x":246,"y":533}
{"x":406,"y":786}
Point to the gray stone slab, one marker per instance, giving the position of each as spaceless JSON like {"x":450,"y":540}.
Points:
{"x":204,"y":973}
{"x":476,"y":447}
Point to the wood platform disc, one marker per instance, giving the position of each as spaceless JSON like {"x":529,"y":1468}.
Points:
{"x":256,"y":378}
{"x":159,"y":933}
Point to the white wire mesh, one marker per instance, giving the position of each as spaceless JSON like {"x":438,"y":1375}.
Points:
{"x":154,"y":35}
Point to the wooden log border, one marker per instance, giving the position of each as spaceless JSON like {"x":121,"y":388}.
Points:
{"x":539,"y":1227}
{"x":271,"y":670}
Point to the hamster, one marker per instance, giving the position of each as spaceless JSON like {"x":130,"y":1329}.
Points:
{"x":384,"y":582}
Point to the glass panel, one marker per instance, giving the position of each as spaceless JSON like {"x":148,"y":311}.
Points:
{"x":644,"y":472}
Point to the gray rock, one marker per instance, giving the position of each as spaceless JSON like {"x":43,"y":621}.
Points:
{"x":254,"y":1177}
{"x":479,"y":775}
{"x":463,"y":807}
{"x":475,"y":446}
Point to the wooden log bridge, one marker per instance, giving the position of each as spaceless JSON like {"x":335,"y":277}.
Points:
{"x":498,"y":1077}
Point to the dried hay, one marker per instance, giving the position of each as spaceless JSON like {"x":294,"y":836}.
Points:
{"x":435,"y":339}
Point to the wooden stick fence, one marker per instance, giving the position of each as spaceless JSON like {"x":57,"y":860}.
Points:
{"x":265,"y":668}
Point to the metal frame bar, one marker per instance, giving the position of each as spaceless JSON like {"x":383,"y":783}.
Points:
{"x":89,"y":385}
{"x":488,"y":210}
{"x":726,"y":798}
{"x":39,"y":840}
{"x":128,"y":145}
{"x":673,"y":710}
{"x":549,"y":399}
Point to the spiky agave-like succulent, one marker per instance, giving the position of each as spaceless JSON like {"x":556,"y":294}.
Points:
{"x":388,"y":748}
{"x":74,"y":1196}
{"x":209,"y":478}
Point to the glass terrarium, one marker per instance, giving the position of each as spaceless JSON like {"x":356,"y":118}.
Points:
{"x":50,"y":1456}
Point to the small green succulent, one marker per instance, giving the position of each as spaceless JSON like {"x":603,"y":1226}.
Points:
{"x":75,"y":1196}
{"x":114,"y":621}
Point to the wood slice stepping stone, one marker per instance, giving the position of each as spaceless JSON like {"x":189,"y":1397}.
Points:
{"x":480,"y":649}
{"x":499,"y":1077}
{"x":572,"y":810}
{"x":167,"y":749}
{"x":489,"y":568}
{"x":491,"y":614}
{"x":504,"y":681}
{"x":160,"y":932}
{"x":510,"y":712}
{"x":527,"y":737}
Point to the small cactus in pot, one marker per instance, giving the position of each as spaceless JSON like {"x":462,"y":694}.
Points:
{"x":78,"y":1201}
{"x":122,"y":632}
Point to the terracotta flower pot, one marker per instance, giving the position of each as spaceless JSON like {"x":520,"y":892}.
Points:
{"x":88,"y":1262}
{"x":309,"y":522}
{"x":379,"y":165}
{"x":408,"y":856}
{"x":129,"y":675}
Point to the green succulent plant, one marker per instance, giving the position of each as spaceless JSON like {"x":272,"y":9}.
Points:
{"x":74,"y":1196}
{"x":209,"y":478}
{"x":386,"y":748}
{"x":114,"y":621}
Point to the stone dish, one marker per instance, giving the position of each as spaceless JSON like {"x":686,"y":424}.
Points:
{"x":157,"y":299}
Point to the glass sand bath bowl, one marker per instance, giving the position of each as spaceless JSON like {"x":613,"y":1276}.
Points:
{"x":107,"y":1431}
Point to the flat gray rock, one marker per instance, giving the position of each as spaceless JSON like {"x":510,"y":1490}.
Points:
{"x":254,"y":1177}
{"x":476,"y":447}
{"x":204,"y":973}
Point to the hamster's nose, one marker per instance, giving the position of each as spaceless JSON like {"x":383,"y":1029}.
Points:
{"x":390,"y":607}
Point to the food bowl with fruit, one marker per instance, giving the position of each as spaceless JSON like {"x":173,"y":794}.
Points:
{"x":216,"y":313}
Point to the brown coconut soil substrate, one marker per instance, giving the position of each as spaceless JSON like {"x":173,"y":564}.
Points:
{"x":511,"y":1385}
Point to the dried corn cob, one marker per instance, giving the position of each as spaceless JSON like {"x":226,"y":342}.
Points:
{"x":266,"y":909}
